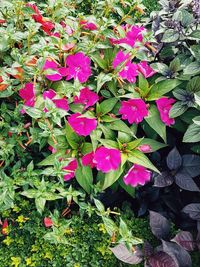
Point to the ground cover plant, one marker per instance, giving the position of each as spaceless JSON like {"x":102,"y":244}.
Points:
{"x":97,"y":109}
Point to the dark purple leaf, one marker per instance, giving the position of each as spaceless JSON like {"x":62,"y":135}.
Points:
{"x":162,"y":259}
{"x":148,"y":249}
{"x":160,"y":226}
{"x":198,"y":226}
{"x":198,"y":241}
{"x":174,"y":159}
{"x":184,"y":181}
{"x":185,"y":240}
{"x":193,"y":210}
{"x":191,"y":163}
{"x":163,"y":179}
{"x":179,"y":255}
{"x":122,"y":253}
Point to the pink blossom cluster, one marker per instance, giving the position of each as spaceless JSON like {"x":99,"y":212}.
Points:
{"x":106,"y":160}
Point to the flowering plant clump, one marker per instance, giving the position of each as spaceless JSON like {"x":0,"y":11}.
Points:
{"x":86,"y":90}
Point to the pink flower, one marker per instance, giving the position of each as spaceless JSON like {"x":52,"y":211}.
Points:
{"x":61,"y":103}
{"x":132,"y":36}
{"x":27,"y":93}
{"x":81,"y":125}
{"x":78,"y":67}
{"x":145,"y":148}
{"x":119,"y":58}
{"x":145,"y":69}
{"x":164,"y":105}
{"x":137,"y":175}
{"x":88,"y":25}
{"x":70,"y":168}
{"x":52,"y":65}
{"x":87,"y":160}
{"x":48,"y":222}
{"x":52,"y":149}
{"x":49,"y":94}
{"x":129,"y":70}
{"x":86,"y":97}
{"x":133,"y":110}
{"x":107,"y":159}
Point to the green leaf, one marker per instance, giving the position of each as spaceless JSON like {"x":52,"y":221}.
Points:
{"x":111,"y":177}
{"x":101,"y":62}
{"x":196,"y":120}
{"x":109,"y":143}
{"x":155,"y":145}
{"x":134,"y":144}
{"x":161,"y":88}
{"x":192,"y":69}
{"x":107,"y":105}
{"x":177,"y":109}
{"x":72,"y":138}
{"x":155,"y":122}
{"x":110,"y":226}
{"x":95,"y":136}
{"x":195,"y":34}
{"x":128,"y":188}
{"x":99,"y":205}
{"x":119,"y":125}
{"x":40,"y":204}
{"x":192,"y":135}
{"x":84,"y":177}
{"x":139,"y":158}
{"x":160,"y":68}
{"x":170,"y":36}
{"x":143,"y":85}
{"x":51,"y":159}
{"x":101,"y":79}
{"x":197,"y":98}
{"x":33,"y":112}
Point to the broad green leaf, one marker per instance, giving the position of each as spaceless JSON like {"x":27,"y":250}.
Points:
{"x":192,"y":69}
{"x":192,"y":135}
{"x":84,"y":177}
{"x":107,"y":105}
{"x":109,"y":143}
{"x":99,"y":205}
{"x":72,"y":138}
{"x":161,"y":88}
{"x":40,"y":204}
{"x":134,"y":144}
{"x":155,"y":145}
{"x":177,"y":109}
{"x":143,"y":85}
{"x":111,"y":177}
{"x":102,"y":78}
{"x":195,"y":34}
{"x":120,"y":126}
{"x":170,"y":36}
{"x":155,"y":122}
{"x":33,"y":112}
{"x":139,"y":158}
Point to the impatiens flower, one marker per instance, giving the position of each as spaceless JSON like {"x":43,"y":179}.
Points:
{"x":4,"y":229}
{"x":128,"y":69}
{"x":70,"y":169}
{"x":145,"y":148}
{"x":86,"y":97}
{"x":52,"y":65}
{"x":133,"y":110}
{"x":27,"y":93}
{"x":107,"y":159}
{"x":78,"y":67}
{"x":88,"y":25}
{"x":132,"y":36}
{"x":81,"y":125}
{"x":145,"y":69}
{"x":48,"y":222}
{"x":61,"y":103}
{"x":164,"y":105}
{"x":137,"y":175}
{"x":52,"y":149}
{"x":87,"y":160}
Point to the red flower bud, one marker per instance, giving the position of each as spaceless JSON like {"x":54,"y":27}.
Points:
{"x":48,"y":222}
